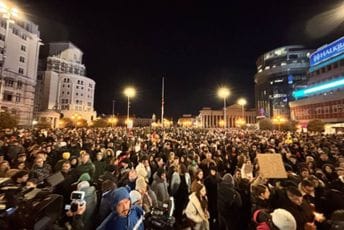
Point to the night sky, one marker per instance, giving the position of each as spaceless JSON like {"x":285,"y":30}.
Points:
{"x":197,"y":45}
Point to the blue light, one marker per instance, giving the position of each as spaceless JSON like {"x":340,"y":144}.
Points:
{"x":326,"y":52}
{"x":323,"y":87}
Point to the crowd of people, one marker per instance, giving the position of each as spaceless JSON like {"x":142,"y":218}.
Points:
{"x":212,"y":174}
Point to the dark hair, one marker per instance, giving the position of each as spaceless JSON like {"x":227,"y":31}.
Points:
{"x":307,"y":182}
{"x":294,"y":191}
{"x":258,"y":189}
{"x":19,"y":174}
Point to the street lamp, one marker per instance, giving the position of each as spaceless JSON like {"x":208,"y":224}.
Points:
{"x":224,"y":92}
{"x":129,"y":92}
{"x":278,"y":120}
{"x":242,"y":102}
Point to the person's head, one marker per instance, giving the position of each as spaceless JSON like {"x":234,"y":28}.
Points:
{"x":199,"y":174}
{"x":323,"y":156}
{"x":4,"y":166}
{"x":66,"y":155}
{"x":135,"y":198}
{"x":294,"y":195}
{"x":21,"y":176}
{"x":99,"y":156}
{"x":304,"y":172}
{"x":161,"y":173}
{"x":21,"y":157}
{"x":208,"y":155}
{"x":39,"y":161}
{"x":121,"y":202}
{"x":327,"y":168}
{"x":32,"y":183}
{"x":283,"y":219}
{"x":85,"y":158}
{"x":66,"y":166}
{"x":213,"y":169}
{"x":307,"y":186}
{"x":21,"y":165}
{"x":200,"y":190}
{"x":261,"y":191}
{"x":160,"y":162}
{"x":74,"y":161}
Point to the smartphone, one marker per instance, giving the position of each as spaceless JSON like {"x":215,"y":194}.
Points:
{"x":67,"y":207}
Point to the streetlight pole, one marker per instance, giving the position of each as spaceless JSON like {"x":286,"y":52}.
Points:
{"x":242,"y":102}
{"x":224,"y":93}
{"x":129,"y":92}
{"x":224,"y":113}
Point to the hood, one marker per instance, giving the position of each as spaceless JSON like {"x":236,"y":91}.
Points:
{"x":120,"y":194}
{"x":228,"y":179}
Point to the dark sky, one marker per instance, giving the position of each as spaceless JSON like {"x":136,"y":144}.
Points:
{"x":196,"y":45}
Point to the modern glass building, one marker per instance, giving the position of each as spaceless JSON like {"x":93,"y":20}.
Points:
{"x":323,"y":98}
{"x":279,"y":72}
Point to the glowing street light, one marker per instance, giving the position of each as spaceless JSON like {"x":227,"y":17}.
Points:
{"x":129,"y":92}
{"x":279,"y":120}
{"x":242,"y":102}
{"x":112,"y":121}
{"x":224,"y":92}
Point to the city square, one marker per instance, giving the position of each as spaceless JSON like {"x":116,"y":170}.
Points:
{"x":172,"y":115}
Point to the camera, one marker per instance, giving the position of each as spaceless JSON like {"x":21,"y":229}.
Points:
{"x":78,"y":199}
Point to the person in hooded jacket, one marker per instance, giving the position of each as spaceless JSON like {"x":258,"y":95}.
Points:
{"x":160,"y":186}
{"x":124,"y":215}
{"x":228,"y":204}
{"x":211,"y":182}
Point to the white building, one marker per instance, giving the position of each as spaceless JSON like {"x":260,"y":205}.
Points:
{"x":19,"y":50}
{"x":63,"y":87}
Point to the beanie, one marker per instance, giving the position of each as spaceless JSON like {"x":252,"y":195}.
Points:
{"x":120,"y":194}
{"x":82,"y":185}
{"x":84,"y":177}
{"x":135,"y":196}
{"x":228,"y":178}
{"x":283,"y":219}
{"x":66,"y":155}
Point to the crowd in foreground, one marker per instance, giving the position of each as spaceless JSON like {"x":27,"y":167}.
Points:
{"x":212,"y":175}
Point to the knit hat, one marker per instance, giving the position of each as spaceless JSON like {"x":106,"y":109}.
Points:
{"x":135,"y":196}
{"x":66,"y":155}
{"x":141,"y":184}
{"x":119,"y":195}
{"x":228,"y":178}
{"x":283,"y":219}
{"x":84,"y":177}
{"x":83,"y":184}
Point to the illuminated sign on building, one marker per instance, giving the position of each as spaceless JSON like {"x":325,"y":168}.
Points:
{"x":327,"y":52}
{"x":323,"y":87}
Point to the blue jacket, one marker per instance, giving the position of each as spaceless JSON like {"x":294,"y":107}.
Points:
{"x":134,"y":220}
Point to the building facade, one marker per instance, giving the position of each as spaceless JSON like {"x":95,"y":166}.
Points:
{"x":210,"y":118}
{"x":323,"y":98}
{"x":62,"y":85}
{"x":19,"y":55}
{"x":279,"y":72}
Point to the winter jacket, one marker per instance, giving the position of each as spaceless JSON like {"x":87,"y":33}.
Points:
{"x":159,"y":186}
{"x":100,"y":167}
{"x":175,"y":182}
{"x":134,"y":219}
{"x":195,"y":212}
{"x":87,"y":168}
{"x":228,"y":204}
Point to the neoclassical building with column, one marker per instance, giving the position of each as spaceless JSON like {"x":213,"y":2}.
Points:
{"x":210,"y":118}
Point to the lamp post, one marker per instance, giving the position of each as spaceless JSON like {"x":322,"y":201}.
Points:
{"x":242,"y":102}
{"x":129,"y":92}
{"x":224,"y":92}
{"x":278,"y":120}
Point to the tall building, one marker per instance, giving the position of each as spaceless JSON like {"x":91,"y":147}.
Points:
{"x":210,"y":118}
{"x":323,"y":98}
{"x":63,"y":87}
{"x":19,"y":50}
{"x":278,"y":73}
